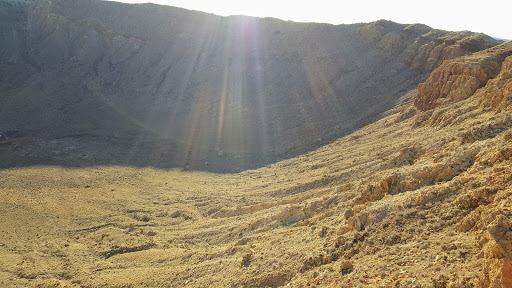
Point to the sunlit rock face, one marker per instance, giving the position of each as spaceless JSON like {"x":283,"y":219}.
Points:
{"x":93,"y":82}
{"x":461,"y":78}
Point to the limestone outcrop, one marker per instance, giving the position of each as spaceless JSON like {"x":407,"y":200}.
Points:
{"x":460,"y":78}
{"x":497,"y":94}
{"x":432,"y":48}
{"x":497,"y":270}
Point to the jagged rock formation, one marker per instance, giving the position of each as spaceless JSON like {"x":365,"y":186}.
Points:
{"x":497,"y":94}
{"x":93,"y":82}
{"x":460,"y":78}
{"x":498,"y":254}
{"x":432,"y":48}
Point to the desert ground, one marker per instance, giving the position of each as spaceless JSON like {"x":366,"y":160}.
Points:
{"x":366,"y":155}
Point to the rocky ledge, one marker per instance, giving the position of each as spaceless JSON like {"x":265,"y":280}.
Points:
{"x":460,"y":78}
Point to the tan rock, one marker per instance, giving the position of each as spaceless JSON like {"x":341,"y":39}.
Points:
{"x":360,"y":221}
{"x":348,"y":213}
{"x":407,"y":185}
{"x":501,"y":232}
{"x":429,"y":51}
{"x":384,"y":185}
{"x":344,"y":229}
{"x":346,"y":266}
{"x":327,"y":258}
{"x":497,"y":267}
{"x":323,"y":231}
{"x":460,"y":78}
{"x":343,"y":188}
{"x":497,"y":94}
{"x":455,"y":80}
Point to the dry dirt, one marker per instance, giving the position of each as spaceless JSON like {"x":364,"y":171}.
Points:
{"x":417,"y":199}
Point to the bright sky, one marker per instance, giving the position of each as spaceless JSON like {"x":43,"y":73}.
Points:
{"x":489,"y":17}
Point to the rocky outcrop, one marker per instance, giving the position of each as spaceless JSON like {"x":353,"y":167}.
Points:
{"x":433,"y":47}
{"x":460,"y":78}
{"x":497,"y":271}
{"x":497,"y":94}
{"x":429,"y":48}
{"x":455,"y":81}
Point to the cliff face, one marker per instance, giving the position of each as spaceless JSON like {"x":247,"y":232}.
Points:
{"x":154,"y":85}
{"x":432,"y":48}
{"x":460,"y":78}
{"x":497,"y":93}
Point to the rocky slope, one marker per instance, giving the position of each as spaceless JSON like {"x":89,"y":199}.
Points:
{"x":459,"y":78}
{"x":420,"y":198}
{"x":93,"y":82}
{"x":483,"y":83}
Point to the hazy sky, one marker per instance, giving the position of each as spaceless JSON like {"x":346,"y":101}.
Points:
{"x":493,"y":18}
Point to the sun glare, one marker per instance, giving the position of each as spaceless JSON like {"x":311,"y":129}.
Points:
{"x":448,"y":15}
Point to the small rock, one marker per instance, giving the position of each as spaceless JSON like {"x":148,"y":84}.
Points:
{"x":246,"y":260}
{"x":344,"y":188}
{"x":349,"y":213}
{"x":326,"y":259}
{"x":322,"y":232}
{"x":384,"y":185}
{"x":242,"y":241}
{"x":344,"y":229}
{"x":346,"y":267}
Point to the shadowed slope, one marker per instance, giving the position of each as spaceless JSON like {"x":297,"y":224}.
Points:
{"x":99,"y":83}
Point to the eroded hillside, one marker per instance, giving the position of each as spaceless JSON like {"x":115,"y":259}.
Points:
{"x":104,"y":83}
{"x":420,"y":198}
